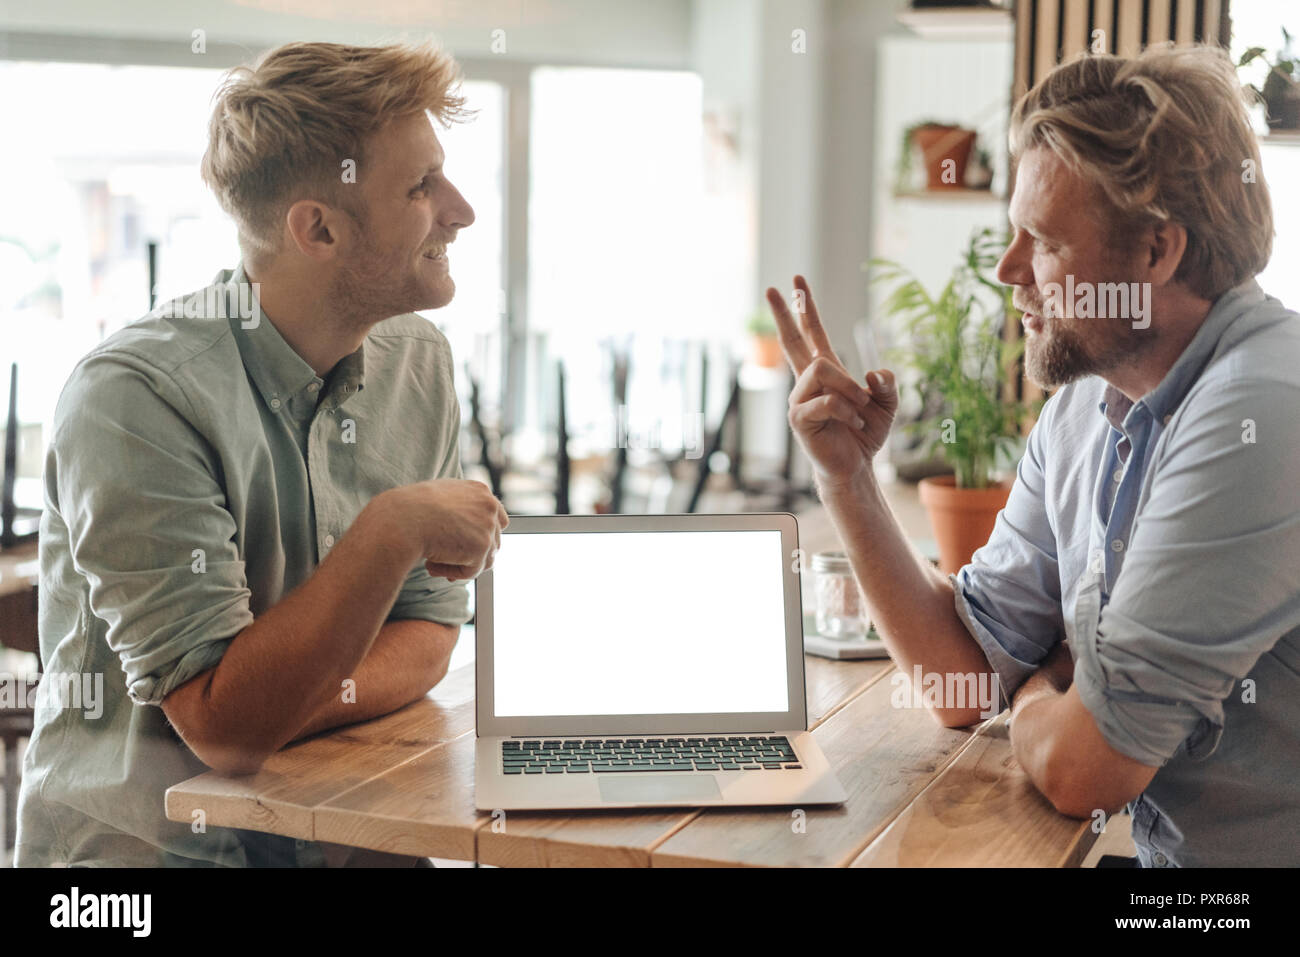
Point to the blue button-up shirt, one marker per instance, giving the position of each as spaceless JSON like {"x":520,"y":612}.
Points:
{"x":198,"y":471}
{"x":1161,"y":540}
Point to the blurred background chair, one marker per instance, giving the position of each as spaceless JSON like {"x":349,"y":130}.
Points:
{"x":17,"y":524}
{"x":18,"y":602}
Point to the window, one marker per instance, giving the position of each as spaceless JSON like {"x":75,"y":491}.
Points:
{"x":1260,"y":23}
{"x":631,"y":242}
{"x":109,"y":162}
{"x":472,"y":321}
{"x":627,"y":249}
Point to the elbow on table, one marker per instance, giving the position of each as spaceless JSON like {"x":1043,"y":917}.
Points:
{"x":1076,"y":793}
{"x":236,"y":761}
{"x":190,"y":714}
{"x":1071,"y":803}
{"x":438,"y":672}
{"x":228,"y":757}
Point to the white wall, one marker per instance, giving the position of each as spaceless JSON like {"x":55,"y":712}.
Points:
{"x":850,"y":156}
{"x":806,"y":131}
{"x":790,"y":94}
{"x":630,"y":33}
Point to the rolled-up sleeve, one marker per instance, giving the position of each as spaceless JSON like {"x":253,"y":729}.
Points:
{"x":422,"y":596}
{"x":1009,"y":595}
{"x":1208,"y":584}
{"x":147,"y":524}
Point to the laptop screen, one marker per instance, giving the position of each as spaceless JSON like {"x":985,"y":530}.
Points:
{"x":639,"y":623}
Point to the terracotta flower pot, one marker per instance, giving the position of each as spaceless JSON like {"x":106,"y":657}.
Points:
{"x":940,"y":143}
{"x":767,"y":351}
{"x":962,"y":518}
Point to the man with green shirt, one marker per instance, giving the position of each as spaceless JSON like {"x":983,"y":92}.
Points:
{"x":253,"y":495}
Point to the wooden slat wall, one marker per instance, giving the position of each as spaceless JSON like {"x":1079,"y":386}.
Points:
{"x":1049,"y":32}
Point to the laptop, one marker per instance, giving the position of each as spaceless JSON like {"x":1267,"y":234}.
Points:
{"x":644,"y":661}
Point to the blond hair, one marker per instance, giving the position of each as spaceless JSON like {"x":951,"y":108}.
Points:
{"x":1166,"y":137}
{"x":282,"y":130}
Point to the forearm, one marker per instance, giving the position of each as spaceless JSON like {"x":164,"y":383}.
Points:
{"x":1035,"y":726}
{"x":911,"y":603}
{"x":281,"y":669}
{"x":1058,"y":743}
{"x":407,"y":659}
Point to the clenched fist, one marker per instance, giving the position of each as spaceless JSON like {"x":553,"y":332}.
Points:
{"x":454,"y":524}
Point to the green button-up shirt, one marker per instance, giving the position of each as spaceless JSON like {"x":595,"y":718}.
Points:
{"x":198,"y":471}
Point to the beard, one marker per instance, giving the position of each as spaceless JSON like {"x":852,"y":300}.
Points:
{"x":371,"y":286}
{"x":1062,"y":354}
{"x":1056,"y":357}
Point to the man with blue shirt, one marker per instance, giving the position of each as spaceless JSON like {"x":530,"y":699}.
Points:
{"x":256,"y":525}
{"x":1139,"y":597}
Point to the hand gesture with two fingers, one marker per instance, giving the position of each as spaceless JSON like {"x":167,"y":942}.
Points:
{"x":840,"y":423}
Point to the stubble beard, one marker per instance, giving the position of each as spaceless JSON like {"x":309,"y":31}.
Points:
{"x":363,"y":289}
{"x":1060,"y":355}
{"x":364,"y":294}
{"x":1056,"y":357}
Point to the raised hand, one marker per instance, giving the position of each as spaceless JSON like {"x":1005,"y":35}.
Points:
{"x":839,"y":423}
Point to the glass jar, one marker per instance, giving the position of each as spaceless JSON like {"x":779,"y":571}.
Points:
{"x":841,"y":608}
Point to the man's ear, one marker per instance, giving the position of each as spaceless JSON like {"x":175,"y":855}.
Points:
{"x":1164,"y":249}
{"x":314,"y":228}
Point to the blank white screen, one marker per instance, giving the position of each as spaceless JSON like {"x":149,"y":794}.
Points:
{"x":608,"y":623}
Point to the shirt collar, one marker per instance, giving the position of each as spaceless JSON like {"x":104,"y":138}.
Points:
{"x":1161,"y":401}
{"x":277,"y":370}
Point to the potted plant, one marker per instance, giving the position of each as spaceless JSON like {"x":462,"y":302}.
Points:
{"x":981,"y":176}
{"x":945,"y":151}
{"x":766,"y":341}
{"x":957,"y":349}
{"x":1280,"y":90}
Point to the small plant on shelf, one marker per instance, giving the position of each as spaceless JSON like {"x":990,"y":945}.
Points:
{"x":767,"y":346}
{"x":1280,"y":90}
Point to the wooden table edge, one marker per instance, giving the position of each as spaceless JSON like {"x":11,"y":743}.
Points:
{"x":1077,"y":850}
{"x":898,"y":812}
{"x":875,"y":832}
{"x":851,"y":696}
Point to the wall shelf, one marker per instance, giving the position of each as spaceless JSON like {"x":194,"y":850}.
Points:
{"x":960,"y":23}
{"x":963,"y":195}
{"x":1281,"y":138}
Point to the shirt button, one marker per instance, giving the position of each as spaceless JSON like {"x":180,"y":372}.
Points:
{"x":1168,"y":417}
{"x":1118,"y":475}
{"x":329,"y":541}
{"x":275,"y":404}
{"x":313,"y":387}
{"x":1160,"y":860}
{"x":1117,"y":546}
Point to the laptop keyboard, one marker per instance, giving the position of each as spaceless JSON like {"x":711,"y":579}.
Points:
{"x":588,"y":756}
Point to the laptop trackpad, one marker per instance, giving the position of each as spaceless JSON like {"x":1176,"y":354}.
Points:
{"x":659,"y":787}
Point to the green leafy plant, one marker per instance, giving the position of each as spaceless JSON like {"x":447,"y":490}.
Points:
{"x":1281,"y":87}
{"x":761,"y":324}
{"x":960,"y":356}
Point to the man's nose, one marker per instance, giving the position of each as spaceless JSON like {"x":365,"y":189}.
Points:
{"x":466,"y":215}
{"x":1013,"y":268}
{"x":459,"y":212}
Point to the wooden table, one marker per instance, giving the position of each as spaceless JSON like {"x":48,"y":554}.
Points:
{"x":919,"y":795}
